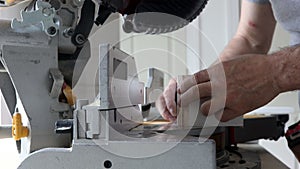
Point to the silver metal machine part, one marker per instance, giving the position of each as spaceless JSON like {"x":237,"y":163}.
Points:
{"x":5,"y":131}
{"x":102,"y":135}
{"x":7,"y":89}
{"x":44,"y":15}
{"x":58,"y":81}
{"x":56,"y":17}
{"x":155,"y":85}
{"x":34,"y":54}
{"x":119,"y":83}
{"x":89,"y":155}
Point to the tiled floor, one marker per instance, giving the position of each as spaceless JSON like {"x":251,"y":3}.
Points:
{"x":9,"y":158}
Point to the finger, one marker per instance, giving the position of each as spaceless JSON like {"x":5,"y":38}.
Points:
{"x":171,"y":106}
{"x":204,"y":99}
{"x":211,"y":107}
{"x":161,"y":106}
{"x":169,"y":96}
{"x":201,"y":76}
{"x":196,"y":93}
{"x":167,"y":116}
{"x":204,"y":89}
{"x":205,"y":108}
{"x":219,"y":115}
{"x":190,"y":81}
{"x":185,"y":83}
{"x":190,"y":96}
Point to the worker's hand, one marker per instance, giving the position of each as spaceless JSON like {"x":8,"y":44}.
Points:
{"x":232,"y":88}
{"x":166,"y":104}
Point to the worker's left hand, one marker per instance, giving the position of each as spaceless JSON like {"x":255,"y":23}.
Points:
{"x":166,"y":104}
{"x":232,"y":88}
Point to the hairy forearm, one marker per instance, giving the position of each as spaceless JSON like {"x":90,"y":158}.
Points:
{"x":240,"y":45}
{"x":286,"y":68}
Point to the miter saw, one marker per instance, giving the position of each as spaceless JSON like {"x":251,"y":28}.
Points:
{"x":39,"y":56}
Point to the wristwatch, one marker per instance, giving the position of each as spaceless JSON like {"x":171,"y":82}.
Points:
{"x":293,"y":135}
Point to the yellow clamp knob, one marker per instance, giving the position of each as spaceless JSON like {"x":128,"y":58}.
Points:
{"x":71,"y":99}
{"x":9,"y":2}
{"x":18,"y":130}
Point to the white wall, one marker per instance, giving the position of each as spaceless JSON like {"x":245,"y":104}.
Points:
{"x":8,"y":13}
{"x":209,"y":34}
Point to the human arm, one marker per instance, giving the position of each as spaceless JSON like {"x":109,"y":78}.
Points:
{"x":254,"y":35}
{"x":251,"y":81}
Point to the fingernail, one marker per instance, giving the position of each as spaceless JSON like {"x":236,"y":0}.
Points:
{"x":173,"y":119}
{"x":179,"y":102}
{"x":205,"y":114}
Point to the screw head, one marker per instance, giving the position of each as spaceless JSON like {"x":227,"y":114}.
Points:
{"x":107,"y":164}
{"x":77,"y":3}
{"x":51,"y":31}
{"x":80,"y":39}
{"x":68,"y":32}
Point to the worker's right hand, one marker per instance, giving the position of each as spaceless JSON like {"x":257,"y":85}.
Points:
{"x":166,"y":104}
